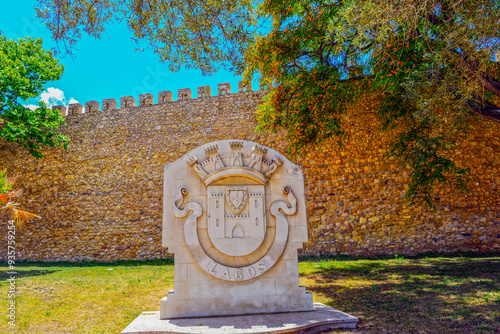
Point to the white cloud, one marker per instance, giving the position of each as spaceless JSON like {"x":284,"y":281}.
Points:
{"x":53,"y":96}
{"x":73,"y":100}
{"x":31,"y":106}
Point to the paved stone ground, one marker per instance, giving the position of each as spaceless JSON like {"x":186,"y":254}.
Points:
{"x":322,"y":318}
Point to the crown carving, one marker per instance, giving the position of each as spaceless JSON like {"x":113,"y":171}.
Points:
{"x":276,"y":162}
{"x":192,"y":161}
{"x":259,"y":149}
{"x":233,"y":162}
{"x":212,"y":150}
{"x":236,"y":145}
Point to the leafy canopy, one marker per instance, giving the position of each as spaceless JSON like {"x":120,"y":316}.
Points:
{"x":26,"y":67}
{"x":430,"y":61}
{"x":204,"y":34}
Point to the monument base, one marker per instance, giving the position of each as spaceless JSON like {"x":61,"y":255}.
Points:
{"x":249,"y":301}
{"x":322,"y":318}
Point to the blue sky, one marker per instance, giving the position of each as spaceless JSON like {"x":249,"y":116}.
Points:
{"x":105,"y":68}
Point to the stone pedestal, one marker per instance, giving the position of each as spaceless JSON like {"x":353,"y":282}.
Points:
{"x":234,"y":216}
{"x":322,"y":318}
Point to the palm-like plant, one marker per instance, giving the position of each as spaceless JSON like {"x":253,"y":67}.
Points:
{"x":8,"y":207}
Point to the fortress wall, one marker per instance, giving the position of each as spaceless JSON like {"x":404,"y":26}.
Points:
{"x":101,"y":199}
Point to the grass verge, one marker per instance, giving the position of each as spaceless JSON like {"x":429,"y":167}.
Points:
{"x":426,"y":294}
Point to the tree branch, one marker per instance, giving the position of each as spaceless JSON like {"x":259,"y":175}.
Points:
{"x":491,"y":84}
{"x":434,"y":19}
{"x":488,"y":111}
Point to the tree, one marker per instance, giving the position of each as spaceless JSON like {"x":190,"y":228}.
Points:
{"x":26,"y":67}
{"x":432,"y":64}
{"x":204,"y":34}
{"x":431,"y":61}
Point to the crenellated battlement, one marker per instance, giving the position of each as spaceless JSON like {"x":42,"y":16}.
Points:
{"x":204,"y":91}
{"x":75,"y":109}
{"x":183,"y":94}
{"x":92,"y":107}
{"x":146,"y":99}
{"x":109,"y":104}
{"x":127,"y":101}
{"x":106,"y":191}
{"x":61,"y":108}
{"x":224,"y":88}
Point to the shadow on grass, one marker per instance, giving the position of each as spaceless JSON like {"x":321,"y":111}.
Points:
{"x":121,"y":263}
{"x":428,"y":255}
{"x":453,"y":268}
{"x":455,"y":295}
{"x":24,"y":273}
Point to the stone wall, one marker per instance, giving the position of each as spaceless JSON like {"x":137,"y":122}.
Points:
{"x":101,"y":199}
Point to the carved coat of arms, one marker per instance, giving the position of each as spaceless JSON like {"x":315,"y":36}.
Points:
{"x":234,"y":217}
{"x":236,"y":198}
{"x":236,"y":213}
{"x":236,"y":224}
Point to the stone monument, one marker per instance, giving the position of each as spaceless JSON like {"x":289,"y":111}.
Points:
{"x":234,"y":216}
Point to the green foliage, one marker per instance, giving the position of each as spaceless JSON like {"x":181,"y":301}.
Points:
{"x":205,"y":34}
{"x":26,"y":67}
{"x":431,"y":61}
{"x":310,"y":97}
{"x":419,"y":147}
{"x":5,"y":184}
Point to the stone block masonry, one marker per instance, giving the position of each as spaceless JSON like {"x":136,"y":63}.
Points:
{"x":101,"y":199}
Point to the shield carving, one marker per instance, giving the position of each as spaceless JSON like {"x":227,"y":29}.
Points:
{"x":236,"y":198}
{"x":236,"y":218}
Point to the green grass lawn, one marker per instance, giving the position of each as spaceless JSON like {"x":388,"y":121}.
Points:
{"x":452,"y":294}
